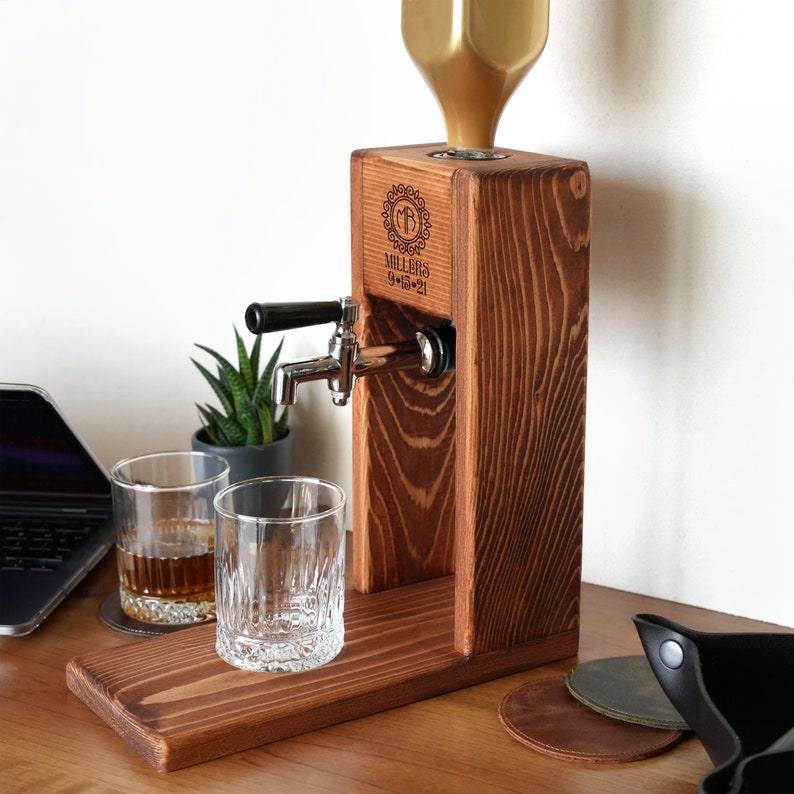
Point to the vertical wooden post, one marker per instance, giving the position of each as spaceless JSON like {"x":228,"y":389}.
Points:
{"x":481,"y":472}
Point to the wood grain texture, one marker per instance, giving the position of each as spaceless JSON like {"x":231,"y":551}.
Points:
{"x":404,"y":465}
{"x":406,"y":233}
{"x":454,"y":742}
{"x":403,"y":424}
{"x":178,"y":704}
{"x":522,"y":296}
{"x":518,"y":232}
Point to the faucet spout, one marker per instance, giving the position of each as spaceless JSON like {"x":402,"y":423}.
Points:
{"x":432,"y":351}
{"x":286,"y":377}
{"x":370,"y":360}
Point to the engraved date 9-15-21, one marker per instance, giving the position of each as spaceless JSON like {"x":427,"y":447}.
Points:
{"x":407,"y":273}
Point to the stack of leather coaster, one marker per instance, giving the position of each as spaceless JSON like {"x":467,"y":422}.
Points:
{"x":606,"y":711}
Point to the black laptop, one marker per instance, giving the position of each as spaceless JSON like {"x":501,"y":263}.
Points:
{"x":56,"y":512}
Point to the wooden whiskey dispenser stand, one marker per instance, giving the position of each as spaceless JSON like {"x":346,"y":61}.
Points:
{"x":468,"y":489}
{"x":481,"y":473}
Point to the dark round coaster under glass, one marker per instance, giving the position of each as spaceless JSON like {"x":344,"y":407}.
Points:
{"x":114,"y":617}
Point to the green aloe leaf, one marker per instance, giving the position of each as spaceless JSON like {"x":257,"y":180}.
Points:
{"x":266,"y":434}
{"x":208,"y":422}
{"x":222,"y":390}
{"x":233,"y":378}
{"x":263,"y":392}
{"x":231,"y":430}
{"x":247,"y":415}
{"x":254,"y":361}
{"x":281,"y":426}
{"x":244,"y":363}
{"x":249,"y":419}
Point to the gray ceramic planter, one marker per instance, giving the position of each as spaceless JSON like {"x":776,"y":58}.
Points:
{"x":248,"y":462}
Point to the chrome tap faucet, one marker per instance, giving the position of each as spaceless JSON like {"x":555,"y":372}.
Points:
{"x":431,"y":352}
{"x":336,"y":367}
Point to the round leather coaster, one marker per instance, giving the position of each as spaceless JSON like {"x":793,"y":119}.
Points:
{"x":624,"y":688}
{"x":544,"y":716}
{"x":115,"y":618}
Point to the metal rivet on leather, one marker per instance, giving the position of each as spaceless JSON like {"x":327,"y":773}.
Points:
{"x":672,"y":654}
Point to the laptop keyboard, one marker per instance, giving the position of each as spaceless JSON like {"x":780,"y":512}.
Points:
{"x":27,"y":545}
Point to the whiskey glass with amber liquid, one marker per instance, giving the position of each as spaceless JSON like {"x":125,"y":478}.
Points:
{"x":165,"y":535}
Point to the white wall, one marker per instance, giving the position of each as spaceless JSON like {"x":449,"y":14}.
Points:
{"x":165,"y":162}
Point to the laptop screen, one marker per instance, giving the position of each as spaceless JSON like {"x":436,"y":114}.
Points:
{"x":55,"y":508}
{"x":39,"y":453}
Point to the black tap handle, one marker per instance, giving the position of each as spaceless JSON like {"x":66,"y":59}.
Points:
{"x":261,"y":318}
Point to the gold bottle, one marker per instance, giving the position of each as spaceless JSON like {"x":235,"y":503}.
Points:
{"x":473,"y":54}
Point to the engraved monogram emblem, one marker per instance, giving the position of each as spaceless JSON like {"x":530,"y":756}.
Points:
{"x":406,"y":219}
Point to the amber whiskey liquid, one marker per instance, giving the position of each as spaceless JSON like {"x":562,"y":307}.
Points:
{"x":170,"y":579}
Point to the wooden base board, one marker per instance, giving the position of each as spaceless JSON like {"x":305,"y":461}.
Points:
{"x":177,"y":703}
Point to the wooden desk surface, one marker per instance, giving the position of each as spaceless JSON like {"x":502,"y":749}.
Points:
{"x":451,"y":743}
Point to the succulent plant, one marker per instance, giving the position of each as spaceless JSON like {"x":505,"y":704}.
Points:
{"x":248,"y":415}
